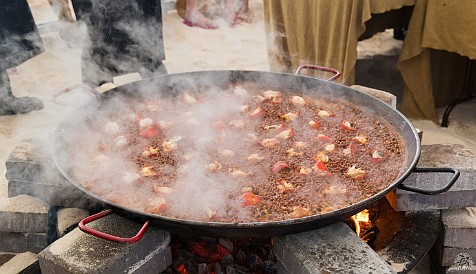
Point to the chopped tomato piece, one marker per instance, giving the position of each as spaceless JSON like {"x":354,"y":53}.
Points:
{"x":149,"y":132}
{"x":350,"y":149}
{"x":321,"y":169}
{"x":219,"y":125}
{"x":250,"y":199}
{"x":258,"y":112}
{"x":320,"y":166}
{"x":347,"y":125}
{"x":323,"y":138}
{"x":280,"y":165}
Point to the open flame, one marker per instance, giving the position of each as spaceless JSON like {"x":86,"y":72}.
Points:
{"x":361,"y":217}
{"x":377,"y":224}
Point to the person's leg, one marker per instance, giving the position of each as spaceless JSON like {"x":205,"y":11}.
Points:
{"x":237,"y":11}
{"x":152,"y":68}
{"x":194,"y":17}
{"x":9,"y":104}
{"x":245,"y":13}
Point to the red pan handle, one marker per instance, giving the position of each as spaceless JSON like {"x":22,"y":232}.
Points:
{"x":314,"y":67}
{"x":105,"y":236}
{"x":55,"y":96}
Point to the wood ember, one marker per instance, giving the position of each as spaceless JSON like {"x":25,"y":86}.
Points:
{"x":208,"y":255}
{"x":383,"y":224}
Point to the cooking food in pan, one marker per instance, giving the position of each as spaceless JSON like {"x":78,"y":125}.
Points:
{"x":236,"y":154}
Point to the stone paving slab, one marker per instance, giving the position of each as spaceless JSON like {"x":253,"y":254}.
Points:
{"x":332,"y":249}
{"x":18,"y":242}
{"x":23,"y":213}
{"x":461,"y":195}
{"x":23,"y":263}
{"x":78,"y":252}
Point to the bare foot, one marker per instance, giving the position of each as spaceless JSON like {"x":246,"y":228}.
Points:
{"x":197,"y":19}
{"x":237,"y":12}
{"x":246,"y":15}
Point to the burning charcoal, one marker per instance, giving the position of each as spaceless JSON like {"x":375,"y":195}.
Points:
{"x":236,"y":269}
{"x":203,"y":268}
{"x":240,"y":256}
{"x":227,"y":259}
{"x":230,"y":270}
{"x":270,"y":267}
{"x":218,"y":269}
{"x":370,"y":235}
{"x":255,"y":262}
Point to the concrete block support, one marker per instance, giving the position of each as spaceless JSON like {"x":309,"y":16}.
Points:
{"x":69,"y":217}
{"x":30,"y":169}
{"x":18,"y":242}
{"x":462,"y":193}
{"x":23,"y":213}
{"x":332,"y":249}
{"x":78,"y":252}
{"x":386,"y":97}
{"x":455,"y":250}
{"x":459,"y":228}
{"x":453,"y":259}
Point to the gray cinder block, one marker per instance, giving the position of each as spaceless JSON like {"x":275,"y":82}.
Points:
{"x":30,"y":170}
{"x":78,"y":252}
{"x":23,"y":213}
{"x":332,"y":249}
{"x":461,"y":195}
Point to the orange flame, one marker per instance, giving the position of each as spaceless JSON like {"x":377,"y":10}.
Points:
{"x":361,"y":217}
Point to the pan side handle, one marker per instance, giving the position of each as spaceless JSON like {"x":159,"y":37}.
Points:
{"x":54,"y":97}
{"x":314,"y":67}
{"x":109,"y":237}
{"x":455,"y":177}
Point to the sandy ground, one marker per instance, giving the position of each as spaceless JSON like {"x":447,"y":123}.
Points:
{"x":187,"y":49}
